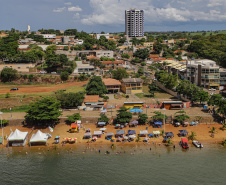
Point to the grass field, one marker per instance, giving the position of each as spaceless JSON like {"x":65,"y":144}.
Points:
{"x":158,"y":95}
{"x":19,"y":101}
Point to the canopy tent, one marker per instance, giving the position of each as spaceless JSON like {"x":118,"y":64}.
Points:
{"x":136,"y":110}
{"x":39,"y":137}
{"x":103,"y":129}
{"x":156,"y":132}
{"x":110,"y":134}
{"x":97,"y":133}
{"x":101,"y":123}
{"x":17,"y":135}
{"x":125,"y":137}
{"x":17,"y":138}
{"x":183,"y":131}
{"x":169,"y":134}
{"x":132,"y":136}
{"x":131,"y":132}
{"x":104,"y":111}
{"x":184,"y":140}
{"x":150,"y":135}
{"x":158,"y":123}
{"x":120,"y":132}
{"x":143,"y":132}
{"x":87,"y":135}
{"x":134,"y":122}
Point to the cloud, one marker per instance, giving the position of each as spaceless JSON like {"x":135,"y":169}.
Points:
{"x":112,"y":12}
{"x":68,"y":3}
{"x":59,"y":9}
{"x":74,"y":9}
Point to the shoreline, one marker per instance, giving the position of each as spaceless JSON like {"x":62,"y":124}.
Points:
{"x":201,"y":130}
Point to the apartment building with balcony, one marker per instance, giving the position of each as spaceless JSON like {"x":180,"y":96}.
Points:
{"x":134,"y":23}
{"x":222,"y":78}
{"x":132,"y":85}
{"x":204,"y":73}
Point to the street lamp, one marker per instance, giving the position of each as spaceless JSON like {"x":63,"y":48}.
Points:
{"x":2,"y":129}
{"x":164,"y":120}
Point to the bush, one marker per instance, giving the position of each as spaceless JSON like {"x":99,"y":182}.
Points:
{"x":105,"y":98}
{"x":7,"y":95}
{"x":143,"y":63}
{"x":127,"y":96}
{"x":74,"y":117}
{"x":25,"y":76}
{"x":8,"y":74}
{"x":64,"y":75}
{"x":5,"y":122}
{"x":30,"y":77}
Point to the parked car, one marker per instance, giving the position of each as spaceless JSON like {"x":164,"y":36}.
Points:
{"x":42,"y":72}
{"x":53,"y":72}
{"x":14,"y":89}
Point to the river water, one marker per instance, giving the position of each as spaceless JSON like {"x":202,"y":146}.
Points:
{"x":134,"y":165}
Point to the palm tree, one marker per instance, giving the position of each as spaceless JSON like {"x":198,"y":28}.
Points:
{"x":138,"y":138}
{"x":223,"y":126}
{"x":224,"y":142}
{"x":213,"y":130}
{"x":192,"y":136}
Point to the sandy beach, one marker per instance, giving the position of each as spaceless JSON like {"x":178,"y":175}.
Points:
{"x":62,"y":130}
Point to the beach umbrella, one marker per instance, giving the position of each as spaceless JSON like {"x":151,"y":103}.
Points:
{"x":117,"y":125}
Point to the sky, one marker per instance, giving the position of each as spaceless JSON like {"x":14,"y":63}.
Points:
{"x":109,"y":15}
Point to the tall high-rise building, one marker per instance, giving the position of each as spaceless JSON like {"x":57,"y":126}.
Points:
{"x":134,"y":23}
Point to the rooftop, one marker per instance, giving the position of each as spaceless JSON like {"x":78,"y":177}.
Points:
{"x":91,"y":98}
{"x":110,"y":81}
{"x":131,"y":80}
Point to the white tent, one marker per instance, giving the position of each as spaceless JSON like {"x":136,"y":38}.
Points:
{"x":143,"y":132}
{"x":39,"y":137}
{"x":17,"y":138}
{"x":17,"y":135}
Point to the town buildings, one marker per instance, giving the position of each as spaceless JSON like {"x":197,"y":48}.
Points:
{"x":112,"y":85}
{"x":204,"y":73}
{"x":132,"y":85}
{"x":134,"y":23}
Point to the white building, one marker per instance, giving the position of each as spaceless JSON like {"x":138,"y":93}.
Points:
{"x":49,"y":36}
{"x":204,"y":73}
{"x":134,"y":23}
{"x":83,"y":68}
{"x":98,"y":35}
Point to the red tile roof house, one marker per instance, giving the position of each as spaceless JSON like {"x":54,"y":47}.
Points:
{"x":112,"y":85}
{"x":113,"y":64}
{"x":91,"y":102}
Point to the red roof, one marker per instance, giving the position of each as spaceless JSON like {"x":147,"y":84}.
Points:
{"x":110,"y":81}
{"x":158,"y":59}
{"x":153,"y":56}
{"x":91,"y":98}
{"x":114,"y":62}
{"x":184,"y":140}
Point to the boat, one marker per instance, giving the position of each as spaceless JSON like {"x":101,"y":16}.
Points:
{"x":184,"y":143}
{"x":197,"y":144}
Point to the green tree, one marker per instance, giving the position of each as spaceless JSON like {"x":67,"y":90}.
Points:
{"x":8,"y":74}
{"x":181,"y":116}
{"x":153,"y":88}
{"x":119,"y":74}
{"x":66,"y":48}
{"x":140,"y":71}
{"x":43,"y":111}
{"x":201,"y":96}
{"x":142,"y":119}
{"x":103,"y":118}
{"x":126,"y":55}
{"x":83,"y":57}
{"x":143,"y":63}
{"x":64,"y":75}
{"x":159,"y":116}
{"x":70,"y":99}
{"x":96,"y":86}
{"x":74,"y":117}
{"x":123,"y":116}
{"x":142,"y":53}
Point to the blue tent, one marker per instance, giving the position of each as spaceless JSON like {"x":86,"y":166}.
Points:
{"x":158,"y":123}
{"x":136,"y":110}
{"x":120,"y":132}
{"x":183,"y":131}
{"x":131,"y":132}
{"x":169,"y":134}
{"x":151,"y":135}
